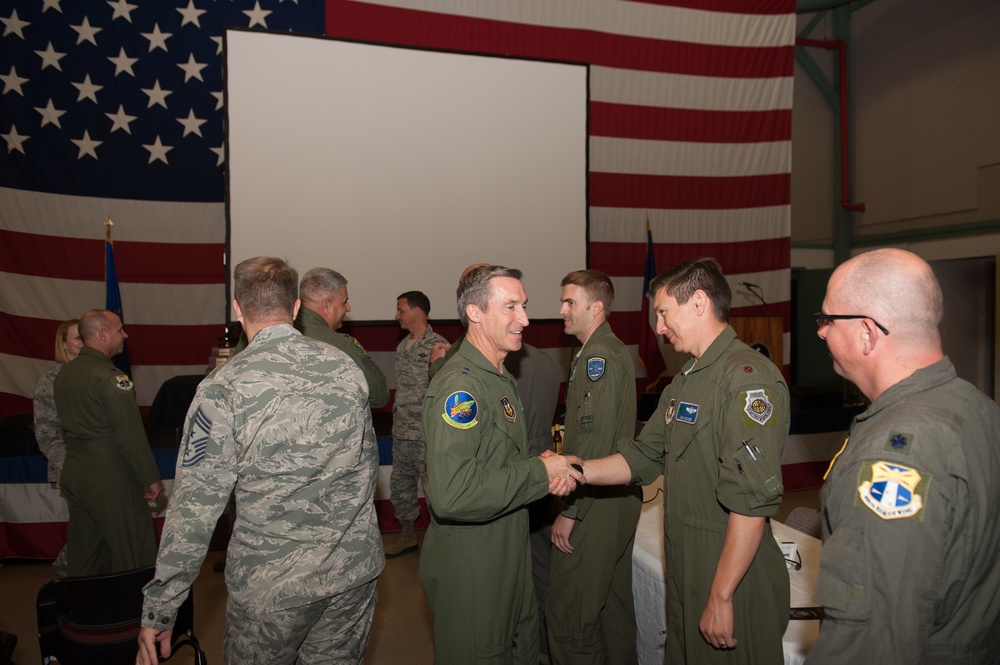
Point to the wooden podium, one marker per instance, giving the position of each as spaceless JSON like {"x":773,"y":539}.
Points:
{"x":761,"y":332}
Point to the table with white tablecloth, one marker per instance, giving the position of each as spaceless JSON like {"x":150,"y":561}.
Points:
{"x":649,"y":584}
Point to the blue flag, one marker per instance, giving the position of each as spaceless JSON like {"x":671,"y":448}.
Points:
{"x":113,"y":300}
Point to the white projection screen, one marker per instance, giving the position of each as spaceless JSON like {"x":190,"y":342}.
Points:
{"x":399,"y":167}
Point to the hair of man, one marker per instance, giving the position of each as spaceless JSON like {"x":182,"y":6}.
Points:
{"x":896,"y":288}
{"x":595,"y":284}
{"x":416,"y":299}
{"x":702,"y":274}
{"x":92,"y":322}
{"x":266,"y":288}
{"x":476,"y":289}
{"x":61,"y":333}
{"x":320,"y":281}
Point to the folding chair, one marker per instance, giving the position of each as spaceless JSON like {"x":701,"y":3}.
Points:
{"x":96,"y":620}
{"x":805,"y":519}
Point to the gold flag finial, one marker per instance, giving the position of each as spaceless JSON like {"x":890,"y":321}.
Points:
{"x":107,"y":228}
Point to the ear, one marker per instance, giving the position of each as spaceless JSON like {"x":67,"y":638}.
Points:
{"x":699,"y":300}
{"x":295,"y":308}
{"x":597,"y":307}
{"x":239,"y":314}
{"x":869,"y":338}
{"x":473,"y":313}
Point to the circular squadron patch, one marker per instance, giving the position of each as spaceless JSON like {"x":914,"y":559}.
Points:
{"x":123,"y":383}
{"x":460,"y":410}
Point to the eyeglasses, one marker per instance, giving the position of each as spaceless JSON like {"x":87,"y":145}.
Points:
{"x":823,"y":320}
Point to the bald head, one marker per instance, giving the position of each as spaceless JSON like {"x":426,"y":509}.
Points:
{"x":470,"y":269}
{"x":895,"y":287}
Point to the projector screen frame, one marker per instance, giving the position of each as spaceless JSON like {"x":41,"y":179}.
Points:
{"x":453,"y":319}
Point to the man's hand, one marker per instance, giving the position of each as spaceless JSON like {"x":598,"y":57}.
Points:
{"x":148,"y":637}
{"x":716,"y":623}
{"x":561,"y":530}
{"x":438,"y":351}
{"x":153,"y":491}
{"x":563,"y":478}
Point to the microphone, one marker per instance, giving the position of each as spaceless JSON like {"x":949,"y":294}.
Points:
{"x":759,"y":294}
{"x":750,"y":284}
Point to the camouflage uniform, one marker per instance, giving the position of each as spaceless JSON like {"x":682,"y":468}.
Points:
{"x":311,"y":324}
{"x":476,"y":565}
{"x":108,"y":467}
{"x":283,"y":426}
{"x":48,"y":434}
{"x":408,"y":450}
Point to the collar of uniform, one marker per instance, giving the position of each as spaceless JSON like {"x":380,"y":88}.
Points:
{"x":712,"y":353}
{"x":277,"y":331}
{"x":307,"y":317}
{"x":602,"y":330}
{"x":94,"y":353}
{"x":923,"y":379}
{"x":428,"y":332}
{"x":474,"y":356}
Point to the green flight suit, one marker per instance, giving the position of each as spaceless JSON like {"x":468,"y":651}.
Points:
{"x":911,"y":536}
{"x":107,"y":469}
{"x":475,"y":567}
{"x":594,"y":621}
{"x":695,"y":438}
{"x":311,"y":324}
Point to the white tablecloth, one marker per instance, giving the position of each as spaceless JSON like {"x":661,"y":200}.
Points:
{"x":649,"y":584}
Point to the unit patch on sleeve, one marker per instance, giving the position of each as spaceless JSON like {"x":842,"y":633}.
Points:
{"x":892,"y":491}
{"x":201,"y":428}
{"x":595,"y":368}
{"x":123,"y":383}
{"x":757,"y":406}
{"x":460,"y":410}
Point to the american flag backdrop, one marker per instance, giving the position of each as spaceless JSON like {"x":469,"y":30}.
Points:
{"x":111,"y":108}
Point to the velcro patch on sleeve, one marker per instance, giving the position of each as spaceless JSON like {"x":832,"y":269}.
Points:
{"x":460,"y":410}
{"x":757,"y":406}
{"x":893,"y":491}
{"x":123,"y":383}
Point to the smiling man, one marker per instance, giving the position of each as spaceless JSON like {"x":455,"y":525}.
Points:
{"x":911,"y":505}
{"x":717,"y":438}
{"x":594,"y":533}
{"x":475,"y":568}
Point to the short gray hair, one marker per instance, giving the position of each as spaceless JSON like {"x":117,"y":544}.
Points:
{"x":264,"y":288}
{"x":320,"y":281}
{"x":476,"y":288}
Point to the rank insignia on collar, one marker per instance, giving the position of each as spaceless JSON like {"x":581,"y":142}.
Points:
{"x":757,"y":406}
{"x":893,"y":491}
{"x":460,"y":410}
{"x":595,"y":368}
{"x":123,"y":383}
{"x":687,"y":413}
{"x":508,"y":409}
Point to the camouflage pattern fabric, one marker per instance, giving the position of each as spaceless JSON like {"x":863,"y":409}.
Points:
{"x":285,"y":426}
{"x":48,"y":431}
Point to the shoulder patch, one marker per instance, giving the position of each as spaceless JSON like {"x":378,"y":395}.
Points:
{"x":460,"y":410}
{"x":757,"y":405}
{"x":358,"y":344}
{"x":595,"y":367}
{"x":123,"y":383}
{"x":893,"y":491}
{"x":197,"y":440}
